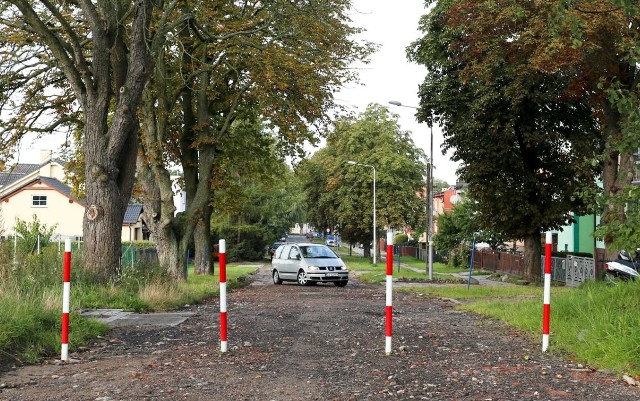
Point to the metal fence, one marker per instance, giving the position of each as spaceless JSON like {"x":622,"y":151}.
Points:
{"x":418,"y":253}
{"x":558,"y":268}
{"x":579,"y":270}
{"x":572,"y":270}
{"x":131,"y":255}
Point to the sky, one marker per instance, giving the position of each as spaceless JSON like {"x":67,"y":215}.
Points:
{"x":393,"y":25}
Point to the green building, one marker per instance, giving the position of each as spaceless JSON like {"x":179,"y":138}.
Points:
{"x":578,"y":237}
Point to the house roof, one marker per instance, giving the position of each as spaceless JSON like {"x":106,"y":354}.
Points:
{"x":132,"y":214}
{"x":60,"y":187}
{"x":51,"y":182}
{"x":22,"y":170}
{"x":16,"y":173}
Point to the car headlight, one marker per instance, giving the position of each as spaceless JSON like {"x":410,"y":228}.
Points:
{"x":312,"y":268}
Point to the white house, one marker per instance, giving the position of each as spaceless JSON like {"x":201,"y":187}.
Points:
{"x":39,"y":189}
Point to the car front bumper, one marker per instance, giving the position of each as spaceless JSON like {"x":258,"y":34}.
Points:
{"x":329,"y":277}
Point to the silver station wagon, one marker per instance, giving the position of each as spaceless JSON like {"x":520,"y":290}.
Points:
{"x":308,"y":264}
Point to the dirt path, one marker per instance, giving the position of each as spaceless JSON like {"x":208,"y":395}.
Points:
{"x":316,"y":343}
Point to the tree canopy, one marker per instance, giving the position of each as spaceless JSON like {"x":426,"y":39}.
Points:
{"x":273,"y":64}
{"x":341,"y":194}
{"x":82,"y":66}
{"x":526,"y":142}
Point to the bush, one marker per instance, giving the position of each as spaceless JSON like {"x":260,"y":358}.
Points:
{"x":460,"y":256}
{"x":244,"y":242}
{"x":141,"y":244}
{"x":33,"y":235}
{"x":400,"y":239}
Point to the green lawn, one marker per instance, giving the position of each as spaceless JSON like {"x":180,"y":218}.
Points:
{"x":409,"y":268}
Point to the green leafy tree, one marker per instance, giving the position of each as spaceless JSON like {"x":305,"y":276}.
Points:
{"x":83,"y":65}
{"x":276,"y":62}
{"x":525,"y":141}
{"x":341,"y":194}
{"x":34,"y":233}
{"x":439,"y":185}
{"x":602,"y":37}
{"x":264,"y":193}
{"x":458,"y":229}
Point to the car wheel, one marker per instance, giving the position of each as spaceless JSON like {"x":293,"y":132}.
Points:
{"x":276,"y":277}
{"x":340,"y":283}
{"x":302,"y":278}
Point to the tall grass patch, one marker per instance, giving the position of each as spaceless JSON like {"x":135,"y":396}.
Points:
{"x":31,"y":298}
{"x":597,"y":323}
{"x":478,"y":292}
{"x":30,"y":325}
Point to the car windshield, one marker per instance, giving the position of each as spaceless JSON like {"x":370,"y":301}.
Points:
{"x":317,"y":252}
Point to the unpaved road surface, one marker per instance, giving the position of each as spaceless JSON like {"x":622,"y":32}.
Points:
{"x":316,"y":343}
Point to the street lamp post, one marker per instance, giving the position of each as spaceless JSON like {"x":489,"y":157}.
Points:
{"x":429,"y":230}
{"x":374,"y":205}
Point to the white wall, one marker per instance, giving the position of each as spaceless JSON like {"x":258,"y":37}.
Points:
{"x":60,"y":210}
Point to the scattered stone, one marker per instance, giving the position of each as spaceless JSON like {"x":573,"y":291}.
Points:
{"x":630,"y":380}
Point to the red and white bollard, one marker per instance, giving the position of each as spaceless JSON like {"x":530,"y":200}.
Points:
{"x":546,"y":308}
{"x":66,"y":295}
{"x":222,"y":261}
{"x":389,"y":302}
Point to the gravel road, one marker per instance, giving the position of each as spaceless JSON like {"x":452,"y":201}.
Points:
{"x":316,"y":343}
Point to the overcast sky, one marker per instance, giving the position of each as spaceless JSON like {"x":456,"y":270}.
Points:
{"x":393,"y":25}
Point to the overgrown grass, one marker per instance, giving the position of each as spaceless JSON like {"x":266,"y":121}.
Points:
{"x":597,"y":323}
{"x":31,"y":299}
{"x":458,"y":291}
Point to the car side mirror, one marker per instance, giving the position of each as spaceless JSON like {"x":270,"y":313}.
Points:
{"x":298,"y":256}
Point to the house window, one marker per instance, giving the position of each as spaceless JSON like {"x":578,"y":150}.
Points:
{"x":39,"y":201}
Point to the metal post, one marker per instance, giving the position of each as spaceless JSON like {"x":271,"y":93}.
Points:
{"x":222,"y":256}
{"x":66,"y":295}
{"x":546,"y":307}
{"x":429,"y":231}
{"x":389,"y":295}
{"x":375,"y":247}
{"x":430,"y":189}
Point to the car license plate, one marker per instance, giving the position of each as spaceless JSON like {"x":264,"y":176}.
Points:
{"x":332,"y":274}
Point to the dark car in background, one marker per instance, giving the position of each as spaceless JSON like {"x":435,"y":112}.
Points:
{"x":273,"y":247}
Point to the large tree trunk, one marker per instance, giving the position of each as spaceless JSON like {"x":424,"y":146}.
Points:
{"x":532,"y":253}
{"x":158,"y":209}
{"x":110,"y":136}
{"x":108,"y":186}
{"x":616,"y":174}
{"x":203,"y":264}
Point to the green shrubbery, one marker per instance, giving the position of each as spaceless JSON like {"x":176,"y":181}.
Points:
{"x":31,"y":304}
{"x":33,"y":235}
{"x":400,"y":239}
{"x":247,"y":242}
{"x":31,"y":297}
